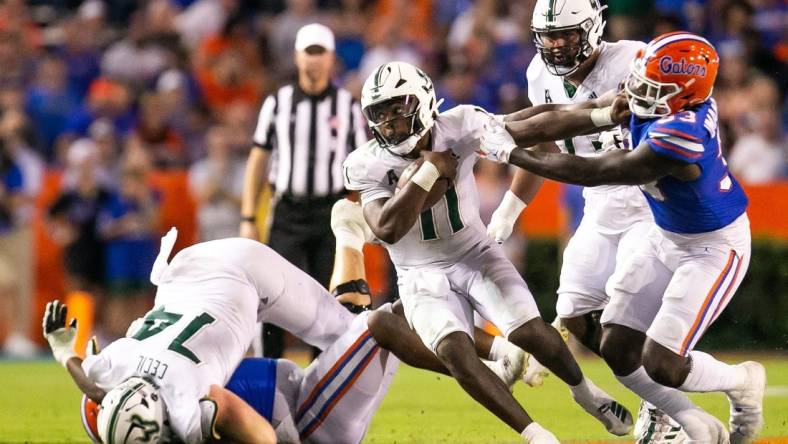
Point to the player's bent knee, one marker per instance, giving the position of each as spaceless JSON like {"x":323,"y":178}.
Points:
{"x":621,"y":351}
{"x":534,"y":334}
{"x":662,"y":365}
{"x":456,"y":352}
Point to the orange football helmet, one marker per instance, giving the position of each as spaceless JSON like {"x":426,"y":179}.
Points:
{"x":88,"y":409}
{"x":675,"y":71}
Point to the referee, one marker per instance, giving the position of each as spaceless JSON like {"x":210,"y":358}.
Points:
{"x":306,"y":129}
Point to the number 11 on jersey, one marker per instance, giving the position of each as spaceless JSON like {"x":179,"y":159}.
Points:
{"x":427,"y":219}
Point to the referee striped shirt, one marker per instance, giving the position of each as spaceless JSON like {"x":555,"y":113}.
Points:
{"x":309,"y":136}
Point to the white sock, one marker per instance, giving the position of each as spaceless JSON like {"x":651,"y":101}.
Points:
{"x":500,"y":348}
{"x":536,"y":433}
{"x":710,"y":375}
{"x":669,"y":400}
{"x":582,"y":392}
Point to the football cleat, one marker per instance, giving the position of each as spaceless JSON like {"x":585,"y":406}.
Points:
{"x":511,"y":367}
{"x":535,"y":372}
{"x":654,"y":426}
{"x":746,"y":420}
{"x":614,"y":416}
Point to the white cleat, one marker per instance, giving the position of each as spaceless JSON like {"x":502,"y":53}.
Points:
{"x":614,"y":416}
{"x":534,"y":372}
{"x":545,"y":438}
{"x":746,"y":420}
{"x":510,"y":368}
{"x":654,"y":426}
{"x":703,"y":428}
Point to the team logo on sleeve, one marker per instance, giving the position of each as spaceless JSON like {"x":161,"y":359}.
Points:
{"x":668,"y":66}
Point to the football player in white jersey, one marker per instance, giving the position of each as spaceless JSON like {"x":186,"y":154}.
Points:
{"x":332,"y":401}
{"x":447,"y":266}
{"x":575,"y":65}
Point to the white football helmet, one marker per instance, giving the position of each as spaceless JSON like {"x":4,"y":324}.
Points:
{"x":399,"y":95}
{"x":133,"y":412}
{"x":553,"y":17}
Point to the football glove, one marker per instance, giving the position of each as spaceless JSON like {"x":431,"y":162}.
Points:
{"x":496,"y":143}
{"x":504,"y":217}
{"x":61,"y":337}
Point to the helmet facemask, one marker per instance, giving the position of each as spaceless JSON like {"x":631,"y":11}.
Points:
{"x":565,"y":59}
{"x":648,"y":98}
{"x":395,"y":123}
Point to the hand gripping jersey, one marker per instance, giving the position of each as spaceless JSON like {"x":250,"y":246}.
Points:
{"x":446,"y":231}
{"x":614,"y":207}
{"x":713,"y":200}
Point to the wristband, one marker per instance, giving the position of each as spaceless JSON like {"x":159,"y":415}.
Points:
{"x":511,"y":206}
{"x":601,"y":116}
{"x":63,"y":355}
{"x":426,"y":176}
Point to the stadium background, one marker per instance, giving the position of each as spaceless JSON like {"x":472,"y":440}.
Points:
{"x":158,"y":87}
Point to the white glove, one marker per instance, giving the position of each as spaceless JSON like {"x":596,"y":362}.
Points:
{"x":505,"y":216}
{"x":160,"y":264}
{"x":61,"y":337}
{"x":496,"y":142}
{"x":613,"y":139}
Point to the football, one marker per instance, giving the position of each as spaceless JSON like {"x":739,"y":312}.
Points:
{"x":436,"y":192}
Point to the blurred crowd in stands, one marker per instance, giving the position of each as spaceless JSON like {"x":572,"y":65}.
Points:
{"x":106,"y":92}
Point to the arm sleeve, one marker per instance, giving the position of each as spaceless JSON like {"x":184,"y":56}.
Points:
{"x":264,"y":132}
{"x":677,"y":139}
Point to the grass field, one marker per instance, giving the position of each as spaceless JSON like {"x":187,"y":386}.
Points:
{"x":39,"y":405}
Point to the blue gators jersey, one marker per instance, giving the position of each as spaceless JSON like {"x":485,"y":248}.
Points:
{"x":708,"y":203}
{"x":254,"y":381}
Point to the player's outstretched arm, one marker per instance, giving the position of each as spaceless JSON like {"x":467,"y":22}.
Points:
{"x":237,"y":422}
{"x":61,"y":339}
{"x":616,"y":167}
{"x":563,"y":122}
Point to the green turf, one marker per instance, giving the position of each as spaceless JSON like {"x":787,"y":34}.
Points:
{"x":39,"y":404}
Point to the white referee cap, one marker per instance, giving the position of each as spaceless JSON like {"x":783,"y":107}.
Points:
{"x":314,"y":34}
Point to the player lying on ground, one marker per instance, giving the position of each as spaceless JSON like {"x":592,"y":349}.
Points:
{"x":673,"y":287}
{"x":574,"y":65}
{"x":447,"y":266}
{"x":330,"y":402}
